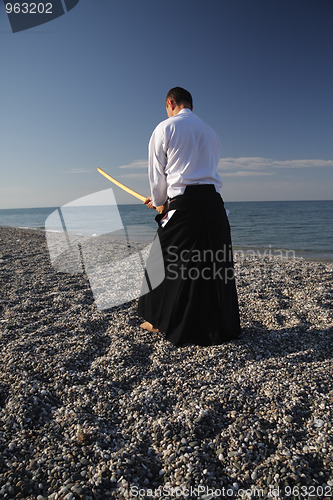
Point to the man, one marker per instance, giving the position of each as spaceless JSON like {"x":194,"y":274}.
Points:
{"x":197,"y":301}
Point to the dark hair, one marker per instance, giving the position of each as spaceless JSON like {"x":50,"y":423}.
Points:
{"x":180,"y":96}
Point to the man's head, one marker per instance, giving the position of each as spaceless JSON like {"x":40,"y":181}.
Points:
{"x":178,"y":99}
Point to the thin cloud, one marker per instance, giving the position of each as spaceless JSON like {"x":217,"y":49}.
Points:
{"x":305,"y":164}
{"x":237,"y":167}
{"x":254,"y":166}
{"x":252,"y":163}
{"x":134,"y":175}
{"x":136,"y":164}
{"x":78,"y":171}
{"x":245,"y":173}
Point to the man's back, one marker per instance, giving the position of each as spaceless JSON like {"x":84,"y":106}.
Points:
{"x":188,"y":151}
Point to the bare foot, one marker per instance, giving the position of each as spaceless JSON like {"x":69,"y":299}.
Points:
{"x":149,"y":327}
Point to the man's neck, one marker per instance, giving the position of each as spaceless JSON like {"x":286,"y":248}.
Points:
{"x":179,"y":108}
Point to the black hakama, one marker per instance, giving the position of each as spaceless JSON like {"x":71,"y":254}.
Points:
{"x":196,"y":302}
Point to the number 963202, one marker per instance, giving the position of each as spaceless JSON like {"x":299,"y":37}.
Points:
{"x":29,"y":8}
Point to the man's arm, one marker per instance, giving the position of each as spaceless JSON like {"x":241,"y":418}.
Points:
{"x":156,"y":168}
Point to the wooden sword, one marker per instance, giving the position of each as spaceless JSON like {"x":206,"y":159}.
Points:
{"x":122,"y":186}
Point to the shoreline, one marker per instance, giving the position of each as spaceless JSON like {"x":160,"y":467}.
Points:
{"x":258,"y":251}
{"x":93,"y":407}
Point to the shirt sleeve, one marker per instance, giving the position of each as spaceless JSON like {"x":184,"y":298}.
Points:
{"x":157,"y":161}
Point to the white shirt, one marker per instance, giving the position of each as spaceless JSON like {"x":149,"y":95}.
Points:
{"x":183,"y":150}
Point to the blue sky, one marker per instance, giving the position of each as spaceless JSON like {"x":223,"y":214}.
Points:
{"x":88,"y":88}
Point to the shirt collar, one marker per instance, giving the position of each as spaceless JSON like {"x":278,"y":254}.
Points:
{"x":184,"y":110}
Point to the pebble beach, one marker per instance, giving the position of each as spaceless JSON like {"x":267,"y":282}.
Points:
{"x":92,"y":407}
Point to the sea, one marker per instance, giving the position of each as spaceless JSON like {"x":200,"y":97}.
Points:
{"x":294,"y":228}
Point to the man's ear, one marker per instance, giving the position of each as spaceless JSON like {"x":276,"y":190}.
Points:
{"x":171,"y":103}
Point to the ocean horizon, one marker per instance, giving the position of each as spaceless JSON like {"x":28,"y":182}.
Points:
{"x":294,"y":228}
